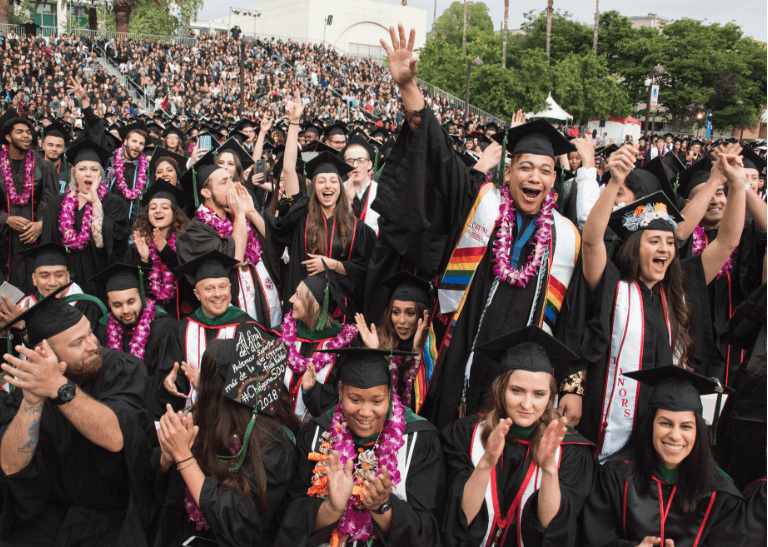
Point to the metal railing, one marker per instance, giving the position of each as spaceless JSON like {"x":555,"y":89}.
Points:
{"x":434,"y":91}
{"x":108,"y":35}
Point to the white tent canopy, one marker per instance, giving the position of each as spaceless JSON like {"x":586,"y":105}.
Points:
{"x":552,"y":111}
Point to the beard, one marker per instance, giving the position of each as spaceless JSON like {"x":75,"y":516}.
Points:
{"x":85,"y":369}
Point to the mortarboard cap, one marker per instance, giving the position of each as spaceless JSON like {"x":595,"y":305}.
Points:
{"x":675,"y":388}
{"x":696,"y":174}
{"x":162,"y":189}
{"x":47,"y":254}
{"x":339,"y":128}
{"x":326,"y":162}
{"x":358,"y":140}
{"x":366,"y":368}
{"x":135,"y":126}
{"x":49,"y":317}
{"x":530,"y":348}
{"x":408,"y":288}
{"x":211,"y":265}
{"x":538,"y":137}
{"x":87,"y":150}
{"x":653,"y":212}
{"x":56,"y":127}
{"x":163,"y":154}
{"x":120,"y":277}
{"x":753,"y":161}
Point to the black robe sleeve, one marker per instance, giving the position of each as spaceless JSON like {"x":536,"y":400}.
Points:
{"x":50,"y":187}
{"x":601,"y":519}
{"x":238,"y":522}
{"x":172,"y":352}
{"x":754,"y":495}
{"x":199,"y":238}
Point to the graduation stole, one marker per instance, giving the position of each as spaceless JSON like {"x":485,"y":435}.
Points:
{"x":299,"y":406}
{"x":499,"y":524}
{"x":246,"y":298}
{"x":368,"y":215}
{"x":620,"y":396}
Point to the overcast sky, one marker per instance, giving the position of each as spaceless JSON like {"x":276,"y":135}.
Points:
{"x":749,"y":14}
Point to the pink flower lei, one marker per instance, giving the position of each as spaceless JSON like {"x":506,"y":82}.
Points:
{"x":141,"y":177}
{"x":69,"y":236}
{"x":299,"y":364}
{"x":225,"y":227}
{"x":410,"y":377}
{"x":29,"y":177}
{"x":503,"y":245}
{"x":162,"y":282}
{"x":356,"y":520}
{"x":700,"y":243}
{"x":140,"y":333}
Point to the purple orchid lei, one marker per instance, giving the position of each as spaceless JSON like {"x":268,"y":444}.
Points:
{"x":162,"y":282}
{"x":410,"y":377}
{"x":141,"y":177}
{"x":700,"y":243}
{"x":299,"y":364}
{"x":29,"y":175}
{"x":503,"y":245}
{"x":140,"y":334}
{"x":224,"y":227}
{"x":69,"y":236}
{"x":356,"y":520}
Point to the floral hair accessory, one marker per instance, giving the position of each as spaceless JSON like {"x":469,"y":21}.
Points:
{"x":643,"y":215}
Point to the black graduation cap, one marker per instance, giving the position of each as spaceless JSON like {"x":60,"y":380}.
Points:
{"x":675,"y":388}
{"x":211,"y":265}
{"x":243,"y":124}
{"x":312,"y":128}
{"x":238,"y":135}
{"x":608,"y":150}
{"x":87,"y":150}
{"x":538,"y":137}
{"x":366,"y":368}
{"x":753,"y":160}
{"x":327,"y":163}
{"x":639,"y":215}
{"x":233,"y":146}
{"x":492,"y":126}
{"x":120,"y":277}
{"x":656,"y":169}
{"x":380,"y":132}
{"x":162,"y":189}
{"x":317,"y":147}
{"x":47,"y":254}
{"x":672,"y":162}
{"x":155,"y":128}
{"x":48,"y":317}
{"x":358,"y":140}
{"x":277,"y":168}
{"x":696,"y":174}
{"x":530,"y":348}
{"x":132,"y":127}
{"x":409,"y":288}
{"x":668,"y":135}
{"x":56,"y":126}
{"x":697,"y":141}
{"x":468,"y":160}
{"x":358,"y":131}
{"x":173,"y":130}
{"x":339,"y":128}
{"x":163,"y":154}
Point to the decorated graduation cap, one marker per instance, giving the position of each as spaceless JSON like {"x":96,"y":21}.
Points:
{"x":696,"y":174}
{"x":211,"y":265}
{"x":654,"y":212}
{"x":538,"y":137}
{"x":87,"y":150}
{"x":121,"y":277}
{"x":163,"y":154}
{"x":530,"y":348}
{"x":135,"y":126}
{"x":49,"y":317}
{"x":326,"y":162}
{"x":162,"y":189}
{"x":366,"y":368}
{"x":252,"y":366}
{"x":47,"y":254}
{"x":409,"y":288}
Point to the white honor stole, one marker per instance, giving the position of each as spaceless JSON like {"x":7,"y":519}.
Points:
{"x":194,"y":348}
{"x":620,"y":395}
{"x":531,"y":483}
{"x":246,"y":298}
{"x":369,"y":216}
{"x":299,"y":407}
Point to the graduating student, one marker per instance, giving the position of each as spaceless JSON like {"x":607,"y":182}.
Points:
{"x":136,"y":325}
{"x":516,"y":473}
{"x":216,"y":318}
{"x":55,"y":139}
{"x":155,"y":231}
{"x":361,"y":187}
{"x":648,"y":309}
{"x":227,"y":221}
{"x":86,"y":219}
{"x":404,"y":326}
{"x":234,"y":460}
{"x":663,"y":487}
{"x":166,"y":165}
{"x":75,"y":448}
{"x":317,"y":225}
{"x":27,"y":184}
{"x":504,"y":255}
{"x":369,"y":470}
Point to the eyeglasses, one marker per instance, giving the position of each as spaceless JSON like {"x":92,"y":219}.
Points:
{"x":356,"y":161}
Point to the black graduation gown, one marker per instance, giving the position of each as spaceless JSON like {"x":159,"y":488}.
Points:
{"x":414,"y":522}
{"x":62,"y":173}
{"x":160,"y":330}
{"x":17,"y":269}
{"x":233,"y":522}
{"x":616,"y":515}
{"x":574,"y":472}
{"x":179,"y":308}
{"x":199,"y":238}
{"x":289,"y":228}
{"x":727,"y":292}
{"x":73,"y":492}
{"x":754,"y":498}
{"x":586,"y":321}
{"x":84,"y":264}
{"x":425,"y":194}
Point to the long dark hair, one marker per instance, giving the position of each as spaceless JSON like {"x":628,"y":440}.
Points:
{"x":388,"y":337}
{"x":316,"y":224}
{"x":144,"y":226}
{"x":221,"y":419}
{"x":697,"y":473}
{"x":495,"y":409}
{"x":628,"y":262}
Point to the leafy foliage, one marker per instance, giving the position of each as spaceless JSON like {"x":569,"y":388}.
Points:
{"x":450,"y":25}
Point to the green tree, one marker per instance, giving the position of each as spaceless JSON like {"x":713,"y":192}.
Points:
{"x":444,"y":65}
{"x":450,"y":25}
{"x":567,"y":36}
{"x":18,"y":12}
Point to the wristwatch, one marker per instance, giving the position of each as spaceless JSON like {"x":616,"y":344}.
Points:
{"x":66,"y":393}
{"x":383,"y":508}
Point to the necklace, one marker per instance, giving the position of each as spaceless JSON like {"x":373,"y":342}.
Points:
{"x":141,"y":178}
{"x":224,"y":227}
{"x":503,"y":246}
{"x":410,"y":377}
{"x":299,"y":364}
{"x":69,"y":236}
{"x":162,"y":282}
{"x":140,"y":334}
{"x":700,"y":243}
{"x":29,"y":175}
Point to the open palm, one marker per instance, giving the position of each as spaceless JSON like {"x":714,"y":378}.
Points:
{"x":402,"y":61}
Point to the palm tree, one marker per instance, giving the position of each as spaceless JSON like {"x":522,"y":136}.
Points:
{"x":123,"y":9}
{"x":549,"y":24}
{"x":464,"y":37}
{"x":4,"y":9}
{"x":504,"y":43}
{"x":597,"y":23}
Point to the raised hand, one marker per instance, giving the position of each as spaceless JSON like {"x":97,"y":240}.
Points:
{"x":169,"y":383}
{"x":422,"y":330}
{"x":340,"y":480}
{"x":192,"y":374}
{"x":309,"y":378}
{"x":518,"y":118}
{"x":622,"y":162}
{"x":176,"y":435}
{"x":494,"y":447}
{"x":141,"y":246}
{"x":731,"y":165}
{"x":294,"y":108}
{"x":402,"y":62}
{"x":490,"y":158}
{"x":266,"y":123}
{"x":586,"y":151}
{"x":368,"y":336}
{"x":553,"y":436}
{"x":76,"y":88}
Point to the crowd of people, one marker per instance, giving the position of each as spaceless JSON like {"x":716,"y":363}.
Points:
{"x":302,"y":327}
